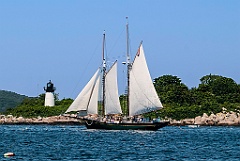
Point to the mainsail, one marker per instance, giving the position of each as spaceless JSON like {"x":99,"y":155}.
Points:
{"x":112,"y":104}
{"x":143,"y":97}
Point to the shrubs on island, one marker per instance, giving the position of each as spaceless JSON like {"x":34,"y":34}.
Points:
{"x":212,"y":94}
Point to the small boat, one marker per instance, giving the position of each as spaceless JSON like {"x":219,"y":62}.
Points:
{"x":194,"y":126}
{"x":9,"y":154}
{"x":141,"y":97}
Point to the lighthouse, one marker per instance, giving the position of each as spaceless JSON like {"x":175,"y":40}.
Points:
{"x":49,"y":95}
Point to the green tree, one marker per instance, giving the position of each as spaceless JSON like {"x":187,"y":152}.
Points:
{"x":34,"y":107}
{"x":171,"y":90}
{"x":222,"y":88}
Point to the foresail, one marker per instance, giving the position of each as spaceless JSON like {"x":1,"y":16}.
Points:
{"x":112,"y":104}
{"x":93,"y":103}
{"x":143,"y":97}
{"x":82,"y":100}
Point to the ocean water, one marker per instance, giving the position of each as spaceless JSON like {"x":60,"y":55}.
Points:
{"x":73,"y":143}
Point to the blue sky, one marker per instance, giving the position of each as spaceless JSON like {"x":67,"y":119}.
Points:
{"x":61,"y":40}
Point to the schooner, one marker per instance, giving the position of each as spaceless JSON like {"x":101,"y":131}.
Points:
{"x":141,"y":97}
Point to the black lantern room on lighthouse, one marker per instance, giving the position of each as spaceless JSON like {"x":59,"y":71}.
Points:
{"x":49,"y":95}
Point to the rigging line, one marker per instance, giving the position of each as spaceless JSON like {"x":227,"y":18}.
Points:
{"x":94,"y":53}
{"x":117,"y":40}
{"x":129,"y":41}
{"x":124,"y":80}
{"x":105,"y":51}
{"x":130,"y":49}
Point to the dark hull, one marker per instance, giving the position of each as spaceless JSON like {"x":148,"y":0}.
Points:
{"x":93,"y":124}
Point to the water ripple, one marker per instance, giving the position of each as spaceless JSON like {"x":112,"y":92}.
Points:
{"x":77,"y":143}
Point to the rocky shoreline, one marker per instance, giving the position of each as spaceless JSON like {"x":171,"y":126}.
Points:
{"x":219,"y":119}
{"x":53,"y":120}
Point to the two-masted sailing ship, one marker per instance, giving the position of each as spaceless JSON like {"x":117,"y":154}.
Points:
{"x":141,"y":97}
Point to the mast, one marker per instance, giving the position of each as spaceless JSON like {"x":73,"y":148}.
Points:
{"x":128,"y":67}
{"x":104,"y":74}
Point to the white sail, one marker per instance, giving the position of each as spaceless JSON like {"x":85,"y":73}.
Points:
{"x":143,"y":97}
{"x":112,"y":104}
{"x":93,"y":103}
{"x":82,"y":100}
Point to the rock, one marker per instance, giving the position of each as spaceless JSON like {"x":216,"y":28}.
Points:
{"x":198,"y":120}
{"x":205,"y":115}
{"x":175,"y":122}
{"x":188,"y":121}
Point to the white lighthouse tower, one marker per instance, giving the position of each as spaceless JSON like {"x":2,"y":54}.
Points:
{"x":49,"y":95}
